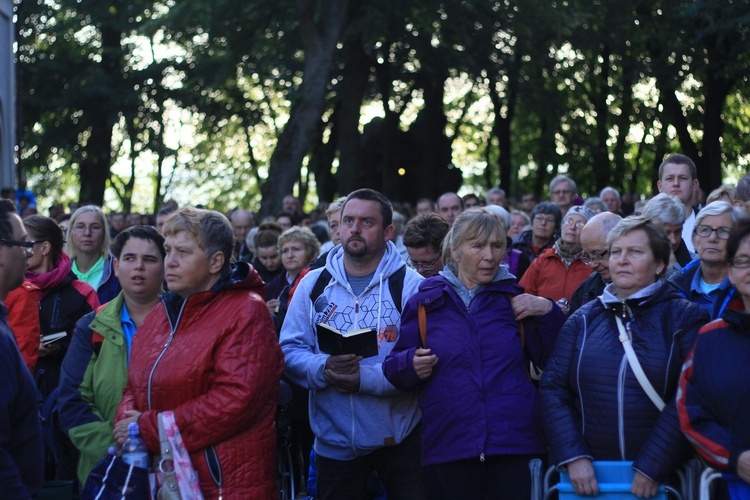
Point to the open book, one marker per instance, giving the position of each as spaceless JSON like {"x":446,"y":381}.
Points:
{"x":53,"y":337}
{"x":362,"y":342}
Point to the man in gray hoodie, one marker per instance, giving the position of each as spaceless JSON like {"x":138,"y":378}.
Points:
{"x":361,"y":422}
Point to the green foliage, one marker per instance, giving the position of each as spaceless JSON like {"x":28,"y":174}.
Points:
{"x":194,"y":95}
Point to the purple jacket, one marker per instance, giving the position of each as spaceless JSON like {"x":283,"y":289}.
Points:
{"x":479,"y":399}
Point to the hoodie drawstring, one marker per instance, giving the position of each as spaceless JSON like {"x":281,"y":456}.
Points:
{"x":380,"y":301}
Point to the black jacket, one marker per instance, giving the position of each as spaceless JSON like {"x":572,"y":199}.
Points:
{"x":523,"y":244}
{"x":593,"y":405}
{"x":591,"y":288}
{"x":21,"y":458}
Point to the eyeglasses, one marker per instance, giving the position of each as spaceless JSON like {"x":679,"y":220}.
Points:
{"x":571,"y":222}
{"x":82,"y":228}
{"x":594,"y":257}
{"x":424,"y":266}
{"x":544,"y":220}
{"x":705,"y":232}
{"x":740,"y":262}
{"x":561,"y":192}
{"x":28,"y":245}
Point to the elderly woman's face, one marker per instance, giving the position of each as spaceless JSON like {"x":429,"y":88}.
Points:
{"x":517,"y":223}
{"x":187,"y":270}
{"x":294,"y":257}
{"x":739,"y":275}
{"x":632,"y":266}
{"x":478,"y":261}
{"x":711,"y":248}
{"x":88,"y":233}
{"x":543,"y":226}
{"x":571,"y":229}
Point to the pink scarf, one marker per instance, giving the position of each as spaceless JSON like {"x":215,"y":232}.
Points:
{"x":48,"y":281}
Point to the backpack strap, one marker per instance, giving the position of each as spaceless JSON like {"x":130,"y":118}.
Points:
{"x":320,"y":284}
{"x":395,"y":286}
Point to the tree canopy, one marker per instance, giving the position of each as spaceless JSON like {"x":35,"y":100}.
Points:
{"x":234,"y":104}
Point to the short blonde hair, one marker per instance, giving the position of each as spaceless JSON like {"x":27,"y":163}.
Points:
{"x":303,"y":235}
{"x":211,"y":230}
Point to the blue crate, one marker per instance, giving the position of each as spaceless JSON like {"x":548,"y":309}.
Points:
{"x":614,"y":480}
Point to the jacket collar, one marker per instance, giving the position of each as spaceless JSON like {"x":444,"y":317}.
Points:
{"x":108,"y":317}
{"x":739,"y":321}
{"x":389,"y":264}
{"x":652,"y":294}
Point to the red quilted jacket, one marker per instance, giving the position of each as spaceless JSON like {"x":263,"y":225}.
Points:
{"x":548,"y":277}
{"x":220,"y":374}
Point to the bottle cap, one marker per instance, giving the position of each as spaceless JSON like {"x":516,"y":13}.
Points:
{"x":133,"y":428}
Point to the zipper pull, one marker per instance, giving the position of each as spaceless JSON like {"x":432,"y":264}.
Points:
{"x":481,"y":457}
{"x":356,"y":305}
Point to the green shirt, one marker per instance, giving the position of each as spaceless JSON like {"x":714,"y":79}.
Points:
{"x":94,"y":275}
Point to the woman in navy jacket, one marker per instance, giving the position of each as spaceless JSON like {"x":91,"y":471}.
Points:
{"x":714,"y":397}
{"x":480,"y":412}
{"x":594,"y":407}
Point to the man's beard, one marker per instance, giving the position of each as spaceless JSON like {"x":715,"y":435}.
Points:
{"x":356,"y":252}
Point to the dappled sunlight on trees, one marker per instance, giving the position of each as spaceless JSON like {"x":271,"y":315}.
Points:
{"x":229,"y":103}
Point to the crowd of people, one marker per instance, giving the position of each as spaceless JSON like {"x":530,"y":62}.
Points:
{"x":570,"y":330}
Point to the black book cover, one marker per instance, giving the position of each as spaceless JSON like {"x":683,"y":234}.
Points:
{"x":362,"y":342}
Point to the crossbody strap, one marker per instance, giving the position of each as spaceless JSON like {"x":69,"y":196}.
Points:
{"x":636,"y":367}
{"x":422,"y":316}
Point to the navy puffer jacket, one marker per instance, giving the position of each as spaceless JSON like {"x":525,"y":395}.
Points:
{"x":592,"y":404}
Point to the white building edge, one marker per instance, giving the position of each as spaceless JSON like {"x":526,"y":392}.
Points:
{"x":7,"y":96}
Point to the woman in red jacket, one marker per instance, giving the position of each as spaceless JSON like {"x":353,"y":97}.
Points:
{"x":558,"y":271}
{"x":210,"y":354}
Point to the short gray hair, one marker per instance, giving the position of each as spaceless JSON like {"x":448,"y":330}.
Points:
{"x":609,"y":189}
{"x":742,"y":192}
{"x":500,"y":212}
{"x":522,"y":214}
{"x":562,"y":178}
{"x":719,"y":208}
{"x":595,"y":201}
{"x":657,"y":239}
{"x":665,"y":209}
{"x":472,"y":224}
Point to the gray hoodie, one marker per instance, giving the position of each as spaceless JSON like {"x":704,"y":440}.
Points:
{"x":350,"y":425}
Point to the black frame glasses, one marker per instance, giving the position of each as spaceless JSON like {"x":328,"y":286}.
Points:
{"x":593,"y":257}
{"x":18,"y":243}
{"x":705,"y":231}
{"x":420,"y":265}
{"x":545,"y":220}
{"x":740,"y":262}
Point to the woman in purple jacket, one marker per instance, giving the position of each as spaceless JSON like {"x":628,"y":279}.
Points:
{"x":480,"y":411}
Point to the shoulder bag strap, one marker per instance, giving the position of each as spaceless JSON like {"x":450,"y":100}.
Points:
{"x":636,"y":366}
{"x":422,"y":315}
{"x":166,"y":449}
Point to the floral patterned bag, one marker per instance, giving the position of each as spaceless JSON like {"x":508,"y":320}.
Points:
{"x":180,"y":481}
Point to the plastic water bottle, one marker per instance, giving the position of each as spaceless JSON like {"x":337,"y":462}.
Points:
{"x":134,"y":451}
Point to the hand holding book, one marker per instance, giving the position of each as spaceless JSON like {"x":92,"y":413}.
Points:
{"x":342,"y":372}
{"x":362,"y":342}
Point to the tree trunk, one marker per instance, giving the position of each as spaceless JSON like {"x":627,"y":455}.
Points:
{"x":350,"y":93}
{"x":320,"y":40}
{"x":96,"y":162}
